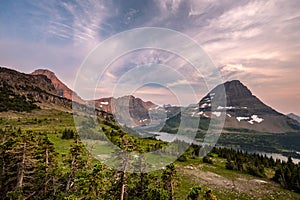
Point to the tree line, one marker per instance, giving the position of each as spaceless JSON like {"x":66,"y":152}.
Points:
{"x":287,"y":173}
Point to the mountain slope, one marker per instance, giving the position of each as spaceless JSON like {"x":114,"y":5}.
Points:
{"x":61,"y":88}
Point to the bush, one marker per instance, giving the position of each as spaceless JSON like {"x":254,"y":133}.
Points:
{"x":194,"y":193}
{"x":68,"y":134}
{"x":207,"y":159}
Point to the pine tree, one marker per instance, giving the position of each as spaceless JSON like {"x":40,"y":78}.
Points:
{"x":168,"y":176}
{"x":94,"y":184}
{"x":77,"y":161}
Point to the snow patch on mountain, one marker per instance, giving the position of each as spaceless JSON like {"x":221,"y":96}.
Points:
{"x":251,"y":120}
{"x":257,"y":119}
{"x":205,"y":115}
{"x":200,"y":113}
{"x":204,"y":105}
{"x":242,"y":118}
{"x":226,"y":107}
{"x":217,"y":114}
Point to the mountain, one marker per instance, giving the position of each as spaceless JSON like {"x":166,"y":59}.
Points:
{"x":24,"y":92}
{"x":244,"y":111}
{"x":61,"y":88}
{"x":294,"y":116}
{"x":128,"y":110}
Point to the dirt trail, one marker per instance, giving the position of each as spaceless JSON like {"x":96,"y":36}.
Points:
{"x":239,"y":184}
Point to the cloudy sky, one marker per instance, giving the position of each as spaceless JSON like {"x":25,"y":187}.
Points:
{"x":255,"y":41}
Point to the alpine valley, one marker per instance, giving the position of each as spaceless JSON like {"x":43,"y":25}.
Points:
{"x":43,"y":155}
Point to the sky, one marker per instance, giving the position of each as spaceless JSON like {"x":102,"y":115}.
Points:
{"x":254,"y":41}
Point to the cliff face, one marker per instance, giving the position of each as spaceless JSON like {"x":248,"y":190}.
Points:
{"x":129,"y":110}
{"x":61,"y":89}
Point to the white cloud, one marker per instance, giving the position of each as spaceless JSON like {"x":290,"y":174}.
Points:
{"x":179,"y":82}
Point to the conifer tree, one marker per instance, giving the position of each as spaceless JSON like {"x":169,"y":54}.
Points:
{"x":168,"y":176}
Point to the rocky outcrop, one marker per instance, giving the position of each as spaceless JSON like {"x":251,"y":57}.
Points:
{"x":61,"y":89}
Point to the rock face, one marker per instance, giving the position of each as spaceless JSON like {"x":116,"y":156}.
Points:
{"x":61,"y":89}
{"x":148,"y":105}
{"x":128,"y":110}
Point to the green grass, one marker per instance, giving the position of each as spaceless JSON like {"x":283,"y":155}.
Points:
{"x":38,"y":120}
{"x":62,"y":148}
{"x":194,"y":172}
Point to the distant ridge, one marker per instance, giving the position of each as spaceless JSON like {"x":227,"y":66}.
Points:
{"x":131,"y":110}
{"x":25,"y":92}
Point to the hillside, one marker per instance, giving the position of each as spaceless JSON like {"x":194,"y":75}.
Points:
{"x":27,"y":92}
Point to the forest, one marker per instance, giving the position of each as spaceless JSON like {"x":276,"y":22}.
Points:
{"x":31,"y":168}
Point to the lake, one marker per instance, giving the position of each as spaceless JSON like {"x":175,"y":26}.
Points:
{"x":167,"y":137}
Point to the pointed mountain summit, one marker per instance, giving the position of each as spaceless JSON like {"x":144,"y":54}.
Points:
{"x":237,"y":96}
{"x":61,"y":88}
